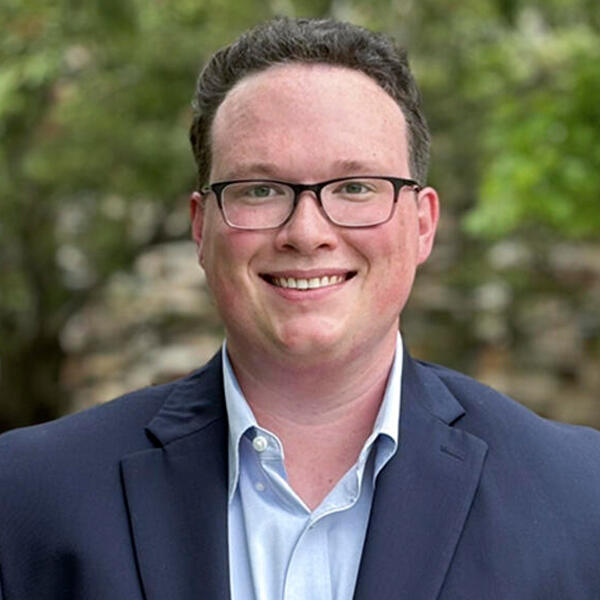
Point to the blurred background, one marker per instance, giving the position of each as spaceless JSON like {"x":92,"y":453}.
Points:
{"x":99,"y":288}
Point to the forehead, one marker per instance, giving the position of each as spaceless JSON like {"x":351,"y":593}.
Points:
{"x":290,"y":113}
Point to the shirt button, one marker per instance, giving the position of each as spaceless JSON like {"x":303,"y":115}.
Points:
{"x":259,"y":443}
{"x":259,"y":486}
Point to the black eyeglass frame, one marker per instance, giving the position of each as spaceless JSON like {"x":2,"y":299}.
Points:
{"x":298,"y":188}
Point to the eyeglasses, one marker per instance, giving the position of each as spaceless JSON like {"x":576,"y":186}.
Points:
{"x":256,"y":204}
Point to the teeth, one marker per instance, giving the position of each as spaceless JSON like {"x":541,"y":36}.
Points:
{"x":307,"y":284}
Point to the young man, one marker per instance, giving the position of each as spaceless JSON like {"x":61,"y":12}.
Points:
{"x":312,"y":457}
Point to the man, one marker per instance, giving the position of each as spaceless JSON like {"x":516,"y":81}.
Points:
{"x":312,"y":457}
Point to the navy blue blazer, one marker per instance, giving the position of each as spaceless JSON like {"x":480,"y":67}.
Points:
{"x":483,"y":501}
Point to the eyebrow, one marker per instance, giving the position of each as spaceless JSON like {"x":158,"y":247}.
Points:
{"x":340,"y":168}
{"x":356,"y":167}
{"x":252,"y":169}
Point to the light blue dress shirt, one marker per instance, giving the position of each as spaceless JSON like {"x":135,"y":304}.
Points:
{"x":278,"y":548}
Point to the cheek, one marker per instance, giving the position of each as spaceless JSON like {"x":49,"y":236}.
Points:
{"x":393,"y":292}
{"x":395,"y":275}
{"x":227,"y":258}
{"x":217,"y":265}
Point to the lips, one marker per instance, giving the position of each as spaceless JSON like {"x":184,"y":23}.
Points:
{"x":307,"y":283}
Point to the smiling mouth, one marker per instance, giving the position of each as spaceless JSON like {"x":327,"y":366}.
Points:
{"x":309,"y":283}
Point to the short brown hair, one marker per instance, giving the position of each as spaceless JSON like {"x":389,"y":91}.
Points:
{"x":284,"y":40}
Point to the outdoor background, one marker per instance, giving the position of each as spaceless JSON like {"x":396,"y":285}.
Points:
{"x":99,"y":289}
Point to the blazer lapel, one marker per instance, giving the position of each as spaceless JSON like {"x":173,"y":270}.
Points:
{"x":423,"y":495}
{"x":177,"y":494}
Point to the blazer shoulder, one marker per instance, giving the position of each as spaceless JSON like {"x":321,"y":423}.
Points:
{"x":111,"y":421}
{"x":116,"y":421}
{"x":563,"y":458}
{"x":488,"y":408}
{"x":105,"y":433}
{"x":48,"y":471}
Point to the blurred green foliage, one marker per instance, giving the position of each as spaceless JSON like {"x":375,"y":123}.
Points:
{"x":542,"y":156}
{"x":94,"y":159}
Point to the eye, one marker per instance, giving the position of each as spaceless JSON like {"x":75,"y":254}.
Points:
{"x":253,"y":191}
{"x":261,"y":190}
{"x":355,"y":190}
{"x":353,"y":187}
{"x":257,"y":190}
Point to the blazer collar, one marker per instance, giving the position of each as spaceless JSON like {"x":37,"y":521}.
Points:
{"x":423,"y":495}
{"x":195,"y":402}
{"x":176,"y":494}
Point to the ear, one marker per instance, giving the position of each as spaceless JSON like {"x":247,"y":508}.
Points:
{"x":197,"y":220}
{"x":428,"y":210}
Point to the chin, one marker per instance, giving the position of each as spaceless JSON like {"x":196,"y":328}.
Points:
{"x":310,"y":345}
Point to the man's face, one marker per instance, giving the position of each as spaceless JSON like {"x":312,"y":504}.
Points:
{"x":310,"y":123}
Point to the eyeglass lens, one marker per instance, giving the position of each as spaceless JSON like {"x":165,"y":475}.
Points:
{"x":352,"y":202}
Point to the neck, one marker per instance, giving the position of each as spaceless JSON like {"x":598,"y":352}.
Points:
{"x":313,"y":391}
{"x":322,"y":413}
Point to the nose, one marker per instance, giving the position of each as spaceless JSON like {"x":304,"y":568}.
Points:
{"x":308,"y":228}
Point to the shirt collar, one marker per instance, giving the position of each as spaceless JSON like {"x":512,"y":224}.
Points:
{"x":241,"y":419}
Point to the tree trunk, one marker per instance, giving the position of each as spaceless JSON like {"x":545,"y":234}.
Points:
{"x":30,"y":390}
